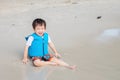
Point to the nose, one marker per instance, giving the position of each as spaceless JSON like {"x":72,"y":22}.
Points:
{"x":41,"y":31}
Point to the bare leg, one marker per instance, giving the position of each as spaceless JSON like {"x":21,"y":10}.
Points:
{"x":62,"y":63}
{"x":39,"y":63}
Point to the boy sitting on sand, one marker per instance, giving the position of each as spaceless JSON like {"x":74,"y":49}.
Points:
{"x":37,"y":47}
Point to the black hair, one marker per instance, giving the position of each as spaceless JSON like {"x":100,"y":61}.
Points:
{"x":38,"y":21}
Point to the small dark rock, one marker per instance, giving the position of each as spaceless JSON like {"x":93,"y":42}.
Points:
{"x":74,"y":3}
{"x":99,"y":17}
{"x":31,"y":3}
{"x":75,"y":17}
{"x":13,"y":24}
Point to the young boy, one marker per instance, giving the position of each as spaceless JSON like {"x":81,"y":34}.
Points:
{"x":37,"y":47}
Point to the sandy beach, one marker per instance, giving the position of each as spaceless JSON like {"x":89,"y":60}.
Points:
{"x":85,"y":32}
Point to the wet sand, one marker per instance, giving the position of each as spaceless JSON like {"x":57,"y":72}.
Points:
{"x":80,"y":37}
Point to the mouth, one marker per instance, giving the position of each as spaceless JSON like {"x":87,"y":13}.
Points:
{"x":40,"y":33}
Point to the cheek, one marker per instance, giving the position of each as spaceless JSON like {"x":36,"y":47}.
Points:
{"x":37,"y":31}
{"x":43,"y":30}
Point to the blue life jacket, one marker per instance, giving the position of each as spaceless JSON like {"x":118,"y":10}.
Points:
{"x":39,"y":46}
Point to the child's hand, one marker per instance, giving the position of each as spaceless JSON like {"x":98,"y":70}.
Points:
{"x":25,"y":60}
{"x":57,"y":55}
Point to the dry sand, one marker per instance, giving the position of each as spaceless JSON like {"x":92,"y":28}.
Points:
{"x":82,"y":39}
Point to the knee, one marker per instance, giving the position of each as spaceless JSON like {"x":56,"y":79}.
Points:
{"x":36,"y":63}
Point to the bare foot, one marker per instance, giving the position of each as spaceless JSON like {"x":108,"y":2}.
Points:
{"x":72,"y":67}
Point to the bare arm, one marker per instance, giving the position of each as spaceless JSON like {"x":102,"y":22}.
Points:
{"x":52,"y":46}
{"x":25,"y":56}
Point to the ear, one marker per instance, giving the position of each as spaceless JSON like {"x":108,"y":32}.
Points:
{"x":33,"y":29}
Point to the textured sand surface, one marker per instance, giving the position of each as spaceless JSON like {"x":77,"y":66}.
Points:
{"x":82,"y":39}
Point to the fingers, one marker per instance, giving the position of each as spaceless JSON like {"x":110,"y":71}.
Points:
{"x":25,"y":61}
{"x":58,"y":56}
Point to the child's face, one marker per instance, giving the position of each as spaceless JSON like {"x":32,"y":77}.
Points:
{"x":39,"y":30}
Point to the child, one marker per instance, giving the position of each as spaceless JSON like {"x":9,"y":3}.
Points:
{"x":37,"y":47}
